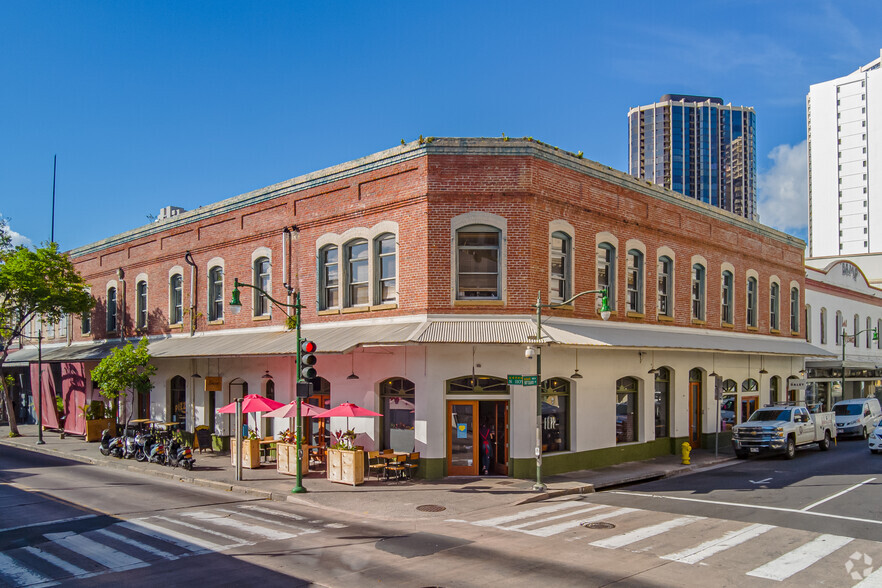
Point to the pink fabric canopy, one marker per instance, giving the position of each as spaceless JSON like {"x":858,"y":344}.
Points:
{"x":347,"y":409}
{"x":289,"y":411}
{"x":253,"y":403}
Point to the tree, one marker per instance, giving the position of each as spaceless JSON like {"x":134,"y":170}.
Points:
{"x":126,"y":370}
{"x":34,"y":283}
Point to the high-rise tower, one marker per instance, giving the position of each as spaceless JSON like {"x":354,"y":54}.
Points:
{"x":699,"y":147}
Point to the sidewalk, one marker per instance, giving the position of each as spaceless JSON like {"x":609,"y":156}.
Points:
{"x":456,"y":495}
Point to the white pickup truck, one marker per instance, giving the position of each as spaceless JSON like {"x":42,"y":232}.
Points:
{"x":781,"y":429}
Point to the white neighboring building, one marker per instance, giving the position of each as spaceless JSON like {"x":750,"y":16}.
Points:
{"x":844,"y":120}
{"x":839,"y":297}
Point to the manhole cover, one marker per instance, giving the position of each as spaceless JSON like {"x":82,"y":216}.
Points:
{"x":598,"y":525}
{"x":431,"y":508}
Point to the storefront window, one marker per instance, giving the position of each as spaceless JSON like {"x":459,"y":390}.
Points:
{"x":626,"y":410}
{"x":397,"y":395}
{"x":662,"y":400}
{"x":555,"y":415}
{"x":178,"y":400}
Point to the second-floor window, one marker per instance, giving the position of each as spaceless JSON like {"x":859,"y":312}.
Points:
{"x":330,"y":277}
{"x":141,"y":306}
{"x":387,"y":289}
{"x":727,"y":296}
{"x":111,"y":310}
{"x":606,"y":271}
{"x":698,"y":298}
{"x":774,"y":306}
{"x":216,"y":293}
{"x":477,"y":250}
{"x":839,"y":326}
{"x":86,"y":323}
{"x":823,"y":326}
{"x":357,"y":273}
{"x":262,"y":281}
{"x":560,"y":267}
{"x":751,"y":302}
{"x":665,"y":285}
{"x":635,"y":281}
{"x":794,"y":310}
{"x":176,"y":299}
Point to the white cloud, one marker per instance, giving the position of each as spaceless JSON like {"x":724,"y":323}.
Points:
{"x":783,"y":190}
{"x":17,"y":238}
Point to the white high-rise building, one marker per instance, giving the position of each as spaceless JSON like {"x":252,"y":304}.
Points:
{"x":844,"y":118}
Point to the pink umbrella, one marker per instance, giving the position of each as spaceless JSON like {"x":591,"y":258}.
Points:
{"x":253,"y":403}
{"x":347,"y":409}
{"x":289,"y":411}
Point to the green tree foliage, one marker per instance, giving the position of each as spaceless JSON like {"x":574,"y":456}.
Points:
{"x":126,"y":370}
{"x":34,"y":283}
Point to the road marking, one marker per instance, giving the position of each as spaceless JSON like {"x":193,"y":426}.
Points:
{"x":527,"y":514}
{"x":236,"y":541}
{"x":766,"y":481}
{"x":811,"y":506}
{"x":560,"y":516}
{"x":636,"y":535}
{"x":55,"y":522}
{"x":703,"y":551}
{"x":222,"y":521}
{"x":139,"y":544}
{"x":265,"y":510}
{"x":756,"y":506}
{"x":800,"y":558}
{"x":107,"y":557}
{"x":874,"y":580}
{"x":21,"y":575}
{"x":560,"y":527}
{"x":301,"y":530}
{"x":68,"y":567}
{"x":197,"y":545}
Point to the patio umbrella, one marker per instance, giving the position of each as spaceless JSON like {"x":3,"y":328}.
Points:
{"x":289,"y":411}
{"x":347,"y":409}
{"x":253,"y":403}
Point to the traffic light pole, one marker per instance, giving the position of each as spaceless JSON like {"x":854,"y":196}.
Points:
{"x":298,"y":488}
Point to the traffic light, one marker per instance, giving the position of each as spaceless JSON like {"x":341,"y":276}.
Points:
{"x":307,"y":360}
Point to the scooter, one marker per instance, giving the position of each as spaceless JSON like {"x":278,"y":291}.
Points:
{"x":111,"y":445}
{"x":180,"y":455}
{"x":156,"y":453}
{"x":144,"y":442}
{"x":130,"y":447}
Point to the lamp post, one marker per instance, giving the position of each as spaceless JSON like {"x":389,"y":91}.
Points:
{"x":604,"y":314}
{"x":40,"y":387}
{"x":844,"y":339}
{"x":235,"y":307}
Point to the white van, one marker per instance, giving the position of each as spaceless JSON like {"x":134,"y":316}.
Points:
{"x":858,"y":416}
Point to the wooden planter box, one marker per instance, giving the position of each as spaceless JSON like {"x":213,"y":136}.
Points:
{"x":95,"y":427}
{"x":250,"y":453}
{"x":346,"y":467}
{"x":286,"y":459}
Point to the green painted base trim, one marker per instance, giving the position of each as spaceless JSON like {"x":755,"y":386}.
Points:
{"x":432,"y":468}
{"x":708,"y":442}
{"x":219,"y":443}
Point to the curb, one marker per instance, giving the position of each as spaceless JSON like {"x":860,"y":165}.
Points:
{"x":581,"y":489}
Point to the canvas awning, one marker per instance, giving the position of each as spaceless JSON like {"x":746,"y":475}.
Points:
{"x":94,"y":351}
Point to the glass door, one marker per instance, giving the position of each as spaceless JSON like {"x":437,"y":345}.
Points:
{"x":462,"y":451}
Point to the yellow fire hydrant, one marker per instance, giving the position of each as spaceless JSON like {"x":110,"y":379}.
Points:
{"x":687,"y":449}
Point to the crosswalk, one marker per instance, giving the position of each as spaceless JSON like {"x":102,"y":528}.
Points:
{"x":759,"y":550}
{"x":141,"y":542}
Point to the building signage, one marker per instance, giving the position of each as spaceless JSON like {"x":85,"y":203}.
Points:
{"x":797,"y":384}
{"x":214,"y":383}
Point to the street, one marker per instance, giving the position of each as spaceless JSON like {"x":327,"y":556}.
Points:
{"x":814,"y":520}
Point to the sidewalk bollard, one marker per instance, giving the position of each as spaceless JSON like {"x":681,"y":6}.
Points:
{"x":687,"y":449}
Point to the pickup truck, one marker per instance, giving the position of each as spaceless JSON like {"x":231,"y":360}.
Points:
{"x":781,"y":429}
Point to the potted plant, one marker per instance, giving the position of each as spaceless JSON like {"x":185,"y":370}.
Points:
{"x":250,"y":451}
{"x":96,"y":420}
{"x":345,"y":461}
{"x":286,"y":454}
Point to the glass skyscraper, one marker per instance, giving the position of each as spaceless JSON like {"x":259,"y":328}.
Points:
{"x":699,"y":147}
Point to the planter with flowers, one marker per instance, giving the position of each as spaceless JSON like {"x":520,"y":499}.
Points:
{"x":286,"y":454}
{"x":96,"y":421}
{"x":250,"y":451}
{"x":345,"y":461}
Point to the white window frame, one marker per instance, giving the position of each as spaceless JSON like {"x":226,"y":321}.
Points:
{"x":665,"y":302}
{"x":699,"y":292}
{"x":351,"y":284}
{"x":751,"y":300}
{"x":383,"y":282}
{"x":176,"y":299}
{"x":215,"y":292}
{"x":141,"y":304}
{"x":262,"y":277}
{"x":634,"y":281}
{"x":560,"y":282}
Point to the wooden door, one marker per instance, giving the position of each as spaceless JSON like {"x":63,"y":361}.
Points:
{"x":462,"y":446}
{"x":695,"y":414}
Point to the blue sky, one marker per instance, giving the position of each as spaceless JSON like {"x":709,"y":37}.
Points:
{"x":149,"y":104}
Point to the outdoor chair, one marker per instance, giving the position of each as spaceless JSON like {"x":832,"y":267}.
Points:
{"x":397,"y":467}
{"x":412,"y":464}
{"x":376,"y":464}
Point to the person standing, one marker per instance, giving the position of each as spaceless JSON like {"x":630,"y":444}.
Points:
{"x":487,"y":438}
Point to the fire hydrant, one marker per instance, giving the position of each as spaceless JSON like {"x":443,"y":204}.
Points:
{"x":687,"y":449}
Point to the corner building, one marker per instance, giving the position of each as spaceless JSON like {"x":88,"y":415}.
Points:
{"x":419,"y":268}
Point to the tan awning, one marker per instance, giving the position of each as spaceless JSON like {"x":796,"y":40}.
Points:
{"x":94,"y":351}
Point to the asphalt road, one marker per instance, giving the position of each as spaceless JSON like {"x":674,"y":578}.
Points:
{"x":745,"y":525}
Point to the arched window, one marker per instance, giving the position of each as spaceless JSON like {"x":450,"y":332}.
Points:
{"x":794,"y":310}
{"x":111,"y":310}
{"x":634,"y":281}
{"x":808,"y":323}
{"x":839,"y":326}
{"x":869,"y":331}
{"x":176,"y":299}
{"x":477,"y":251}
{"x":665,"y":286}
{"x":269,"y":390}
{"x":357,"y":276}
{"x":751,"y":302}
{"x":774,"y":306}
{"x":477,"y":385}
{"x":329,"y":274}
{"x":662,"y":402}
{"x":606,"y":271}
{"x":626,"y":410}
{"x":775,"y":389}
{"x":561,"y":246}
{"x":727,"y":297}
{"x":856,"y":327}
{"x":386,"y":287}
{"x":141,"y":303}
{"x":698,"y":292}
{"x":728,"y":404}
{"x":555,"y":415}
{"x":261,"y":280}
{"x":398,"y":396}
{"x":749,"y":398}
{"x":216,"y":293}
{"x":823,"y":326}
{"x":178,"y":400}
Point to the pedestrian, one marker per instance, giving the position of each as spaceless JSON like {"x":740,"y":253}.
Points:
{"x":487,"y":438}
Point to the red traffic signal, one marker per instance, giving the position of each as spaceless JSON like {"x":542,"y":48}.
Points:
{"x":307,"y":360}
{"x":308,"y":347}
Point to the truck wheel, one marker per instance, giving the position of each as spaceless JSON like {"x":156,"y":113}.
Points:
{"x":825,"y":444}
{"x":790,"y":452}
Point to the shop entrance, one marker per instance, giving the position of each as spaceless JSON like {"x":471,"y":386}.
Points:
{"x":470,"y":421}
{"x":695,"y":408}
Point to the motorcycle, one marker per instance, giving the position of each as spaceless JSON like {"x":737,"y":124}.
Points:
{"x":111,"y":445}
{"x":180,"y":455}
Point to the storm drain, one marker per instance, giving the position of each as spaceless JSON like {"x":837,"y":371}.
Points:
{"x":431,"y":508}
{"x":600,"y":525}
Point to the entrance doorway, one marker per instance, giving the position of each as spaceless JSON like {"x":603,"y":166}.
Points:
{"x":464,"y":444}
{"x":695,"y":408}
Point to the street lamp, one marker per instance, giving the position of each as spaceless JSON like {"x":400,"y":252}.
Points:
{"x":537,"y":352}
{"x":235,"y":308}
{"x":853,"y":337}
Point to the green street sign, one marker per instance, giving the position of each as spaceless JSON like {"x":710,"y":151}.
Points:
{"x":531,"y":380}
{"x":515,"y":380}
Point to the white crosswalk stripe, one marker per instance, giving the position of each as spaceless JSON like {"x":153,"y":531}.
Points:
{"x":20,"y":574}
{"x":497,"y":521}
{"x":693,"y":555}
{"x":223,"y":521}
{"x":642,"y":533}
{"x":800,"y":558}
{"x":112,"y":559}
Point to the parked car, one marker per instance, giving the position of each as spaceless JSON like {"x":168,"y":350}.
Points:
{"x":876,"y":440}
{"x":858,"y":416}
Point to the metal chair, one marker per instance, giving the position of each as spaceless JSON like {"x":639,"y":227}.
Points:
{"x":397,"y":467}
{"x":412,"y":464}
{"x":376,"y":464}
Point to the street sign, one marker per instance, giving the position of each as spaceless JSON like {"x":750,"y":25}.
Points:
{"x":515,"y":380}
{"x":531,"y":380}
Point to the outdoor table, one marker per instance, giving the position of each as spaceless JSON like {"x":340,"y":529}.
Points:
{"x":266,"y":446}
